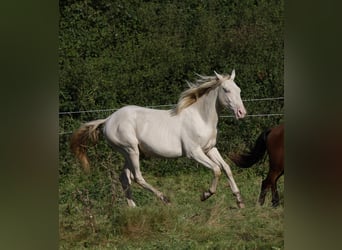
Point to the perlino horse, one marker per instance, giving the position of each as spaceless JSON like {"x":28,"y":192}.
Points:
{"x":190,"y":130}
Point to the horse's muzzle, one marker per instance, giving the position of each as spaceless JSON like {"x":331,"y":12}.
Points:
{"x":240,"y":113}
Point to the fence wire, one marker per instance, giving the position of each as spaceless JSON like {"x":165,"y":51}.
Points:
{"x":173,"y":105}
{"x":160,"y":106}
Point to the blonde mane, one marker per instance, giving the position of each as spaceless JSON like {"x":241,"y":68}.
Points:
{"x":203,"y":85}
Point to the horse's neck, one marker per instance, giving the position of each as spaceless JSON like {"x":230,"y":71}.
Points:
{"x":208,"y":107}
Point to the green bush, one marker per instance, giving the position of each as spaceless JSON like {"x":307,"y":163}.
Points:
{"x":141,"y":52}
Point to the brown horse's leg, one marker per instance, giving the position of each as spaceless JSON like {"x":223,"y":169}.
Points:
{"x":267,"y":184}
{"x":264,"y":188}
{"x":275,"y":194}
{"x":271,"y":182}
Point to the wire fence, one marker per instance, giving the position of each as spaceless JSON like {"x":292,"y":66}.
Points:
{"x":159,"y":106}
{"x":173,"y":105}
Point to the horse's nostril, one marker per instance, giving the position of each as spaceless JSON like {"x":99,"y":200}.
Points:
{"x":241,"y":113}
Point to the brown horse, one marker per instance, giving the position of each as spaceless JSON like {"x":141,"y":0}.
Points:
{"x":272,"y":141}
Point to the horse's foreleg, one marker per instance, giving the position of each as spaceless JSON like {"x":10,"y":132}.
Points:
{"x":200,"y":157}
{"x":135,"y":167}
{"x":215,"y":155}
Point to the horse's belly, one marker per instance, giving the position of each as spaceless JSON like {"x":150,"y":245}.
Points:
{"x":160,"y":148}
{"x":159,"y":135}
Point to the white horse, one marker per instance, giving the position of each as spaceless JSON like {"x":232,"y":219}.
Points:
{"x":189,"y":130}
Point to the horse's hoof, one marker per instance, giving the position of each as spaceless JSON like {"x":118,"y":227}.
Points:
{"x":261,"y":202}
{"x":205,"y":195}
{"x":165,"y":200}
{"x":275,"y":204}
{"x":241,"y":204}
{"x":239,"y":200}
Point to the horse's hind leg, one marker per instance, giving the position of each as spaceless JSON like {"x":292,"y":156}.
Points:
{"x":264,"y":188}
{"x":275,"y":194}
{"x":125,"y":179}
{"x":270,"y":182}
{"x":133,"y":159}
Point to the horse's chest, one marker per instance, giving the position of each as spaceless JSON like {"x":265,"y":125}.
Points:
{"x":207,"y":138}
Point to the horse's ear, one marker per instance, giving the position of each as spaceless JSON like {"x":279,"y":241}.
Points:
{"x":218,"y":76}
{"x":232,"y":76}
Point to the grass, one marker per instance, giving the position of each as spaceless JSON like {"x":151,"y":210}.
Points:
{"x":93,"y":212}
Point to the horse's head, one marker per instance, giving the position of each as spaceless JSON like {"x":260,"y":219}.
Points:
{"x":229,"y":95}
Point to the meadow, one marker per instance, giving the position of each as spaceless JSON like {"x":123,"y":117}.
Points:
{"x":93,"y":212}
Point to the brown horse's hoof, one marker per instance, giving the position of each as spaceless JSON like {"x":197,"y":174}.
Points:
{"x":275,"y":204}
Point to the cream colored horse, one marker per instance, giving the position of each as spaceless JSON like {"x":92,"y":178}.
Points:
{"x":188,"y":130}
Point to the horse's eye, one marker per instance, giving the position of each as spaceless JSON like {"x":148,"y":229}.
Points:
{"x":226,"y":90}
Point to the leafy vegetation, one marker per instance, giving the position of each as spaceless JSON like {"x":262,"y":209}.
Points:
{"x":114,"y":53}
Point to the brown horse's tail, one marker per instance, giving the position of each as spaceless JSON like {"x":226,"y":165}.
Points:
{"x":249,"y":158}
{"x":88,"y":132}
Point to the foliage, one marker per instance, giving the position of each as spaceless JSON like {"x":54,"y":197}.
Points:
{"x":114,"y":53}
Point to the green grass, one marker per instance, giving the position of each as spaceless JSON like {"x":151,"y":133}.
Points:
{"x":93,"y":212}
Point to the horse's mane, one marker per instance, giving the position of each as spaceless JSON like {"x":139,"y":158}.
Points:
{"x":202,"y":85}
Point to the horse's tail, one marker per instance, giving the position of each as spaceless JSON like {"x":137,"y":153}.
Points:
{"x":80,"y":140}
{"x":254,"y":155}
